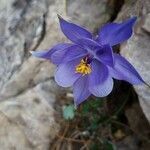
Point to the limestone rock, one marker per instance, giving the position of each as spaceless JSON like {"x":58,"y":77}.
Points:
{"x":30,"y":120}
{"x":92,"y":14}
{"x":136,"y":50}
{"x":27,"y":89}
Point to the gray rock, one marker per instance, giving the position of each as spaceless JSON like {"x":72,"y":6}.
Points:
{"x":27,"y":89}
{"x":136,"y":50}
{"x":92,"y":14}
{"x":128,"y":143}
{"x":30,"y":120}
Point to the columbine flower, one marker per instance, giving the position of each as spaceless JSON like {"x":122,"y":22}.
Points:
{"x":88,"y":63}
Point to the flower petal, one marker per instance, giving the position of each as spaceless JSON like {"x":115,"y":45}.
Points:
{"x":48,"y":53}
{"x":100,"y":82}
{"x":90,"y":45}
{"x":115,"y":33}
{"x":65,"y":74}
{"x":72,"y":31}
{"x":102,"y":53}
{"x":80,"y":90}
{"x":105,"y":55}
{"x":123,"y":70}
{"x":68,"y":54}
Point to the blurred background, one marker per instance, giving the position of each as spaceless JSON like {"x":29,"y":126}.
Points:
{"x":37,"y":114}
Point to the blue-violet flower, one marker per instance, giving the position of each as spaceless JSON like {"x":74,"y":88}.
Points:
{"x":88,"y":63}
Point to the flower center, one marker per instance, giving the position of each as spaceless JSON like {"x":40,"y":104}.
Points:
{"x":83,"y":67}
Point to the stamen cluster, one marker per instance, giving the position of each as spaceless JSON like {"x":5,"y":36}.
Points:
{"x":83,"y":68}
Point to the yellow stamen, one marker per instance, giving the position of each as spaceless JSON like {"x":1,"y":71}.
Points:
{"x":83,"y":68}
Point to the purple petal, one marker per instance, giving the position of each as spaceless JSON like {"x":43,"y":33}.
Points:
{"x":123,"y":70}
{"x":47,"y":54}
{"x":115,"y":33}
{"x":80,"y":90}
{"x":65,"y":74}
{"x":100,"y":82}
{"x":90,"y":45}
{"x":105,"y":55}
{"x":68,"y":54}
{"x":102,"y":53}
{"x":72,"y":31}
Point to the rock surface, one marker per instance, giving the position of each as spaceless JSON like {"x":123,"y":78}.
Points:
{"x":92,"y":14}
{"x":136,"y":50}
{"x":27,"y":89}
